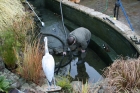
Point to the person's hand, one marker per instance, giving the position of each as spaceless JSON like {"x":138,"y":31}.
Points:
{"x":64,"y":53}
{"x":83,"y":51}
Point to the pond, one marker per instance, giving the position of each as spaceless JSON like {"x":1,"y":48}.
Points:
{"x":91,"y":70}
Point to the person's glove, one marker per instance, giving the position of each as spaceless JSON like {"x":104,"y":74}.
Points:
{"x":83,"y":55}
{"x":64,"y":53}
{"x":83,"y":51}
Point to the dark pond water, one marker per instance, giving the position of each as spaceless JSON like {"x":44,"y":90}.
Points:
{"x":91,"y":70}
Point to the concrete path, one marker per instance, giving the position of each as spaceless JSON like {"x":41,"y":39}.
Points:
{"x":132,"y":8}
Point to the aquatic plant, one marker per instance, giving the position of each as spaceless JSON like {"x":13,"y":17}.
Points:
{"x":4,"y":84}
{"x":124,"y":75}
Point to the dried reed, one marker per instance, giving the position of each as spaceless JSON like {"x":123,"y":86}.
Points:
{"x":124,"y":74}
{"x":31,"y":66}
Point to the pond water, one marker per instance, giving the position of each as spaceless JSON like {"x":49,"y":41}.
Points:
{"x":90,"y":71}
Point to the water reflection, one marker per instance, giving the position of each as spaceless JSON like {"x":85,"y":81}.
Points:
{"x":92,"y":73}
{"x":90,"y":70}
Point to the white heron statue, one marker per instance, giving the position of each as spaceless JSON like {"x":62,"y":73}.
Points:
{"x":48,"y":65}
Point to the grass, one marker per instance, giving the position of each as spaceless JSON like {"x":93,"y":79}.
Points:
{"x":17,"y":28}
{"x":14,"y":38}
{"x":31,"y":66}
{"x":29,"y":55}
{"x":64,"y":83}
{"x":7,"y":49}
{"x":10,"y":11}
{"x":124,"y":75}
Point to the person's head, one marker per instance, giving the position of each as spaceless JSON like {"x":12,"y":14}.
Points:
{"x":70,"y":40}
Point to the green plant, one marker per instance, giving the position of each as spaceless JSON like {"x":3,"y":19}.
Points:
{"x":6,"y":48}
{"x":64,"y":83}
{"x":4,"y":84}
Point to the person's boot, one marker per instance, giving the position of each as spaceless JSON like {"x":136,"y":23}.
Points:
{"x":80,"y":61}
{"x":82,"y":58}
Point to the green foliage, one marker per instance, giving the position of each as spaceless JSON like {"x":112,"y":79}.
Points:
{"x":7,"y":48}
{"x":4,"y":84}
{"x":64,"y":83}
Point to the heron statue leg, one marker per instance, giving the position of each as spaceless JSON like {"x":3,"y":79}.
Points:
{"x":49,"y":85}
{"x":54,"y":82}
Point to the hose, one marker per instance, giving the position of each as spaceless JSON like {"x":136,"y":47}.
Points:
{"x":106,"y":6}
{"x":42,"y":23}
{"x":55,"y":37}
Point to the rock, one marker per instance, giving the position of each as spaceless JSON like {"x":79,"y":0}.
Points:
{"x":15,"y":85}
{"x":13,"y":90}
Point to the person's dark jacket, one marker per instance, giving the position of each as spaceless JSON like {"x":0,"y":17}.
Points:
{"x":82,"y":35}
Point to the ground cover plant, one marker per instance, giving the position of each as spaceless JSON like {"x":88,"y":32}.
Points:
{"x":4,"y":84}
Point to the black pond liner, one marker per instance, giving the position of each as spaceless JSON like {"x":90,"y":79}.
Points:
{"x":10,"y":68}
